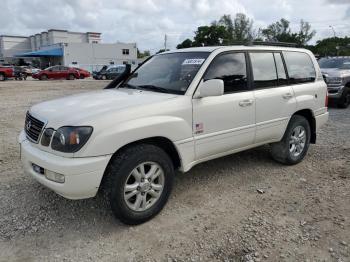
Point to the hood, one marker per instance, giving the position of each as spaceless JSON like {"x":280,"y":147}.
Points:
{"x":335,"y":72}
{"x":79,"y":109}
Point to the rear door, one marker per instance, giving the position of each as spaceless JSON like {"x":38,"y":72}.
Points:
{"x":222,"y":124}
{"x":274,"y":97}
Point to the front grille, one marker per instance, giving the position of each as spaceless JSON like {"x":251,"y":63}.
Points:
{"x":33,"y":127}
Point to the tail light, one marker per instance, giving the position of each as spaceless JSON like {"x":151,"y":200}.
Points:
{"x":326,"y":101}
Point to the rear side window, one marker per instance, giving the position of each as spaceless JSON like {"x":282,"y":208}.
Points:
{"x":264,"y":70}
{"x":232,"y":69}
{"x":300,"y":67}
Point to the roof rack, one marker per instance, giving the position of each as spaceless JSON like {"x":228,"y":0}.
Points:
{"x":266,"y":43}
{"x":285,"y":44}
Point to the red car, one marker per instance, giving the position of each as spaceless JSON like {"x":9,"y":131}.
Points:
{"x":83,"y":73}
{"x":6,"y":72}
{"x":57,"y":72}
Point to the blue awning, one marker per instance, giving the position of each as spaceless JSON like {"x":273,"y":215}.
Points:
{"x":45,"y":52}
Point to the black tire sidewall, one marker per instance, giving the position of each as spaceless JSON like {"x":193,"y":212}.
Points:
{"x":119,"y":174}
{"x":294,"y":122}
{"x":345,"y":100}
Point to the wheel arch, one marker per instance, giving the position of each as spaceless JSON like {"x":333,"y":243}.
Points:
{"x":308,"y":114}
{"x":162,"y":142}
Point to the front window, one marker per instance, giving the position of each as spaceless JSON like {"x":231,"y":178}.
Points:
{"x":339,"y":63}
{"x":168,"y":73}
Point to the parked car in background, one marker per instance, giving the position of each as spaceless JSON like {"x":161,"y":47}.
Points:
{"x":336,"y":72}
{"x":178,"y":109}
{"x":83,"y":73}
{"x":57,"y":72}
{"x":19,"y":73}
{"x":109,"y":73}
{"x":30,"y":70}
{"x":6,"y":72}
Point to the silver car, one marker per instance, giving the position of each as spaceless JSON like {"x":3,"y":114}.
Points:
{"x":336,"y":72}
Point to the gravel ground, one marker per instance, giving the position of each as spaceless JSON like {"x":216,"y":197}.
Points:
{"x":244,"y":207}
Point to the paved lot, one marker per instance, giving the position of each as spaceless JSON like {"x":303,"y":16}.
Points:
{"x":214,"y":214}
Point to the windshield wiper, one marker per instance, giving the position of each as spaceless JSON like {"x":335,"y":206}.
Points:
{"x":155,"y":88}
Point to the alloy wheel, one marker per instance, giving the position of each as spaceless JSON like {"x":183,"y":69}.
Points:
{"x":297,"y":141}
{"x":144,"y":186}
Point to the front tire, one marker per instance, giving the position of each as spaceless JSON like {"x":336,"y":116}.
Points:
{"x":71,"y":77}
{"x":345,"y":99}
{"x":2,"y":77}
{"x":138,"y":183}
{"x":295,"y":142}
{"x":43,"y":77}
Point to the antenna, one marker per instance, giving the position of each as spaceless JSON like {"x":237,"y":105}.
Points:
{"x":165,"y":40}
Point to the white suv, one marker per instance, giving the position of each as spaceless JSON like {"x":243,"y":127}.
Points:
{"x":178,"y":109}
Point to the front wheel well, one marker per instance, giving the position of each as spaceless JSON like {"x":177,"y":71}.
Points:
{"x":161,"y":142}
{"x":307,"y":113}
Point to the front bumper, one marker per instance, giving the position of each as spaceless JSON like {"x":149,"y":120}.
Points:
{"x":335,"y":92}
{"x":82,"y":175}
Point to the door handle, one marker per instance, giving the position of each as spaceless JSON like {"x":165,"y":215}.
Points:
{"x":287,"y":96}
{"x":247,"y":102}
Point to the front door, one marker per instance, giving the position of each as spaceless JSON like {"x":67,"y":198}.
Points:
{"x":225,"y":123}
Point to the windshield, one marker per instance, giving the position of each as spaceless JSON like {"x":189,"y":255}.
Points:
{"x":336,"y":62}
{"x":168,"y":73}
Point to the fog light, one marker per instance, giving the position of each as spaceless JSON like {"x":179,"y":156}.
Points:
{"x":50,"y":175}
{"x":38,"y":169}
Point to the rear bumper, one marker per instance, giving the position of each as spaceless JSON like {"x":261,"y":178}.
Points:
{"x":321,"y":120}
{"x":82,"y":175}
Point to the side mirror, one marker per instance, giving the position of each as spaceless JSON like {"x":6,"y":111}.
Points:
{"x":212,"y":87}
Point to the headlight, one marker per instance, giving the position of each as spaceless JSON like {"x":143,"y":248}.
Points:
{"x":70,"y":139}
{"x":46,"y":137}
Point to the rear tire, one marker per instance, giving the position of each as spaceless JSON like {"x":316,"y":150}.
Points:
{"x":2,"y":77}
{"x":344,"y":100}
{"x":103,"y":77}
{"x":153,"y":191}
{"x":295,"y":142}
{"x":71,"y":77}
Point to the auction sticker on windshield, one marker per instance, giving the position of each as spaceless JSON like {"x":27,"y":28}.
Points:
{"x":194,"y":61}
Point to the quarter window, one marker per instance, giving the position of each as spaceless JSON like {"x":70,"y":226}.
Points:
{"x":300,"y":67}
{"x":232,"y":69}
{"x":264,"y":70}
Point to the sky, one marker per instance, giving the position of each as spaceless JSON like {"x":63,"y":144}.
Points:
{"x":147,"y":21}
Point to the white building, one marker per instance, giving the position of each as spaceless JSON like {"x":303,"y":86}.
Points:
{"x":67,"y":48}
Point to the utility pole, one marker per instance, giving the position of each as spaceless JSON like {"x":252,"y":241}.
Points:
{"x":165,"y":40}
{"x":333,"y":30}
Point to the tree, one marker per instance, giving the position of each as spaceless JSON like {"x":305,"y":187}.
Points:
{"x":185,"y":44}
{"x":281,"y":32}
{"x":305,"y":34}
{"x":210,"y":35}
{"x":332,"y":46}
{"x":239,"y":30}
{"x":143,"y":54}
{"x":162,"y":50}
{"x":242,"y":29}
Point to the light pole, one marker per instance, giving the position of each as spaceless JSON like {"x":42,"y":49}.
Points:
{"x":332,"y":30}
